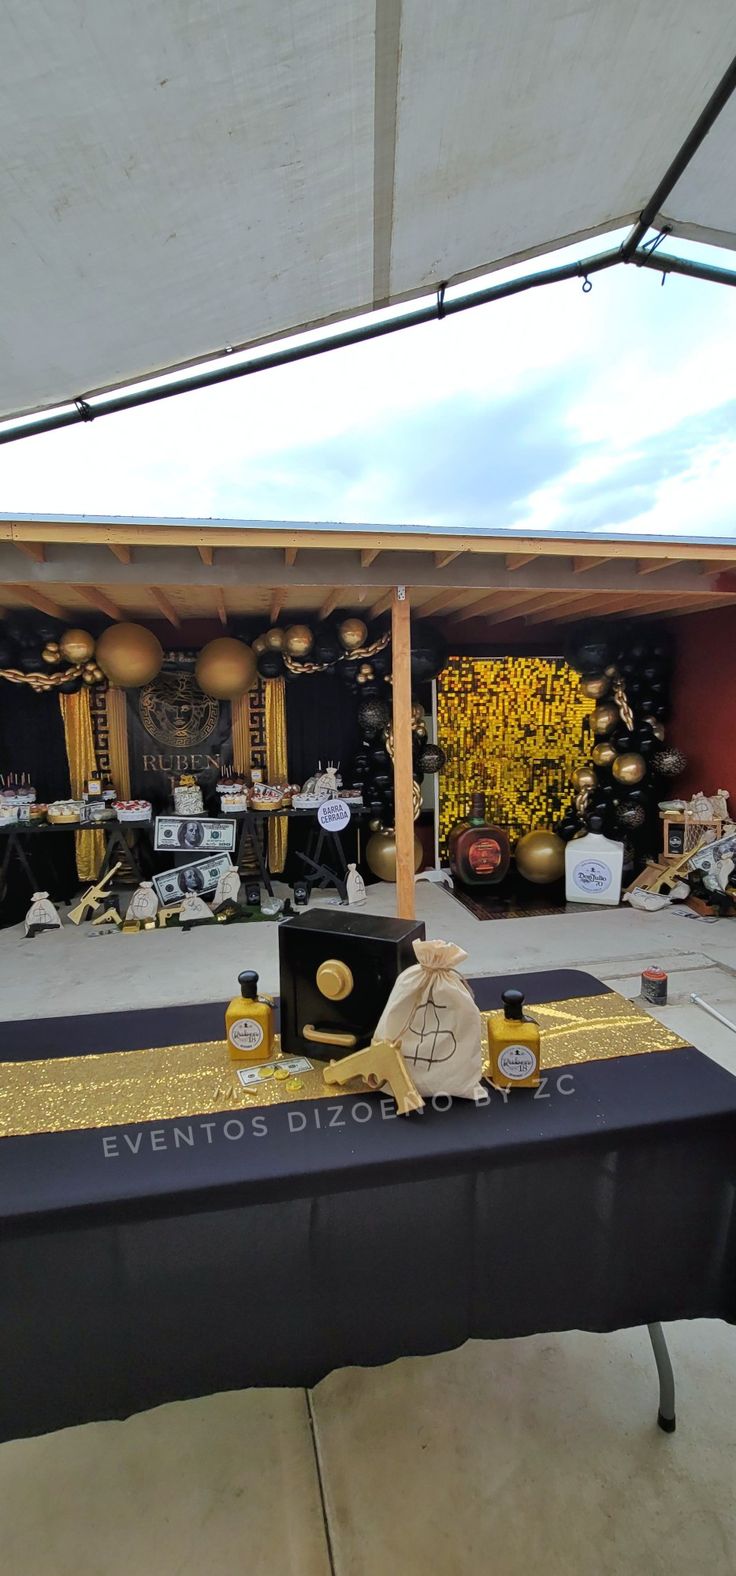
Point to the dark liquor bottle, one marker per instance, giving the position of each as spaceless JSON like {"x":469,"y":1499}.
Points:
{"x":479,"y":852}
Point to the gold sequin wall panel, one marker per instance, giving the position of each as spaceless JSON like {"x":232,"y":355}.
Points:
{"x":512,"y":726}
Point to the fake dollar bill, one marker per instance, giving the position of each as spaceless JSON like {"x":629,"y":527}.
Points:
{"x":716,"y":863}
{"x":201,"y":876}
{"x":181,"y":833}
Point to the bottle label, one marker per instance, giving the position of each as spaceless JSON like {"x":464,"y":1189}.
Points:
{"x":484,"y":856}
{"x":592,"y":875}
{"x":245,"y":1034}
{"x":517,"y":1061}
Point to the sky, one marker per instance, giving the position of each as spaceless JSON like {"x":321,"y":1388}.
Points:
{"x":611,"y":411}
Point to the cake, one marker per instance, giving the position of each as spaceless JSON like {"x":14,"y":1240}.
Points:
{"x":64,"y":812}
{"x":188,"y":797}
{"x":8,"y":812}
{"x":133,"y":809}
{"x":266,"y":796}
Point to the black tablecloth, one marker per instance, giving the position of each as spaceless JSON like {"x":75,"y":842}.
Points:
{"x":135,"y":1272}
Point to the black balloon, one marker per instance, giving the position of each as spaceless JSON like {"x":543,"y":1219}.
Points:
{"x":326,"y":648}
{"x":428,"y":652}
{"x":373,"y":714}
{"x":379,"y":756}
{"x":381,"y":781}
{"x":566,"y":829}
{"x":270,"y":664}
{"x":71,"y":687}
{"x":31,"y":661}
{"x":589,"y":651}
{"x":432,"y":758}
{"x":7,"y":659}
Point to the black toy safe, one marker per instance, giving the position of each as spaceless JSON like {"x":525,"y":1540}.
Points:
{"x":337,"y":971}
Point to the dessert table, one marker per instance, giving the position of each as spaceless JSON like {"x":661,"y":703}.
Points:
{"x":155,"y":1257}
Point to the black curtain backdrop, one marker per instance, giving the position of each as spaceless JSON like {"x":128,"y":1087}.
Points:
{"x":32,"y":741}
{"x":321,"y":725}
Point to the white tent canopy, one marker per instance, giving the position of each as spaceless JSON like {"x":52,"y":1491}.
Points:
{"x":184,"y":177}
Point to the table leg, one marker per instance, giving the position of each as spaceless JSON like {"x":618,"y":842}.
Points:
{"x":252,"y":832}
{"x":666,"y":1414}
{"x":24,"y":862}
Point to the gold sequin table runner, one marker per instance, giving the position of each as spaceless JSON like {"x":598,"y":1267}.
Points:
{"x":61,"y":1094}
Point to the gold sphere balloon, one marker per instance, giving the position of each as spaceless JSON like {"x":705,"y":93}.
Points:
{"x":380,"y":853}
{"x":88,"y":678}
{"x":584,"y":777}
{"x":351,"y":633}
{"x":654,"y":723}
{"x":274,"y":639}
{"x":604,"y":754}
{"x":629,"y":768}
{"x":225,"y":668}
{"x":51,"y":656}
{"x":259,"y":644}
{"x":375,"y":826}
{"x":540,"y":857}
{"x":99,"y":675}
{"x":604,"y":718}
{"x":52,"y":645}
{"x":76,"y":645}
{"x":298,"y":640}
{"x":595,"y":685}
{"x":129,"y":655}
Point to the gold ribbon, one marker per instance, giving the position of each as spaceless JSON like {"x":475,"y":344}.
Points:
{"x":277,"y":768}
{"x":80,"y":750}
{"x":116,"y":708}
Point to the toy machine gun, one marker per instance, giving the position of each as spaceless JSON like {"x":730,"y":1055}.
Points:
{"x":381,"y":1063}
{"x":95,"y":895}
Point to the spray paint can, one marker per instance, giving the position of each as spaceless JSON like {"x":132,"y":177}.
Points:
{"x":654,"y":986}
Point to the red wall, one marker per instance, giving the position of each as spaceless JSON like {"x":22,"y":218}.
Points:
{"x":703,"y":721}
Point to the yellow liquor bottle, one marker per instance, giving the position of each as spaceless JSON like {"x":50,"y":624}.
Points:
{"x":513,"y":1044}
{"x":249,"y":1023}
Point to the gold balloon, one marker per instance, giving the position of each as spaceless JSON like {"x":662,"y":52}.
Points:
{"x":654,"y":723}
{"x":595,"y":685}
{"x":259,"y":644}
{"x":604,"y":753}
{"x":53,"y":645}
{"x":629,"y":768}
{"x":225,"y":668}
{"x":604,"y":718}
{"x":376,"y":826}
{"x":540,"y":857}
{"x":351,"y":633}
{"x":76,"y":645}
{"x":380,"y":853}
{"x":298,"y":640}
{"x":417,"y":711}
{"x":274,"y":639}
{"x":51,"y":656}
{"x":584,"y":777}
{"x":129,"y":655}
{"x":88,"y":678}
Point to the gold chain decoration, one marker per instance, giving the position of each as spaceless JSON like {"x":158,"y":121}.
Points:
{"x":345,"y":656}
{"x":619,"y":695}
{"x":582,"y":800}
{"x":40,"y":682}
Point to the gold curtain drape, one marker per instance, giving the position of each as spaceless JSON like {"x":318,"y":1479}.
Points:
{"x":241,"y":732}
{"x":116,"y":706}
{"x":276,"y":763}
{"x":80,"y":751}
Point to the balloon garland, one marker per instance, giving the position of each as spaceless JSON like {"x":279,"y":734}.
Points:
{"x":46,"y":656}
{"x":628,"y":676}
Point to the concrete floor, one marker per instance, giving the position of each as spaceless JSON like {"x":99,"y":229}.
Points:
{"x":513,"y":1456}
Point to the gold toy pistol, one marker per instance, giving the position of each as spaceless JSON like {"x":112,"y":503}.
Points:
{"x":381,"y":1063}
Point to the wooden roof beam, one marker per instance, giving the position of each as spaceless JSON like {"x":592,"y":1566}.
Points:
{"x":329,"y":604}
{"x":579,"y":565}
{"x":290,"y":556}
{"x":442,"y":601}
{"x":381,"y":606}
{"x":441,"y":560}
{"x":33,"y":598}
{"x":220,"y":607}
{"x":490,"y":602}
{"x":123,"y":554}
{"x":102,"y":603}
{"x":207,"y":555}
{"x":34,"y":550}
{"x":519,"y":560}
{"x":166,"y":607}
{"x":368,"y":555}
{"x":277,"y":601}
{"x":651,"y":566}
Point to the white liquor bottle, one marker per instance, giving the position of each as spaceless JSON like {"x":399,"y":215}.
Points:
{"x":593,"y":867}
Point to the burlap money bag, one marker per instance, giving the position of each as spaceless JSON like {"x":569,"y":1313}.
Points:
{"x":432,"y":1013}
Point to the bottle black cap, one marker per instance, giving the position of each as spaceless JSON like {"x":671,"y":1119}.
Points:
{"x":595,"y":823}
{"x":248,"y":982}
{"x":513,"y":1001}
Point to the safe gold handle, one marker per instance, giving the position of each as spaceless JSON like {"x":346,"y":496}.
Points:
{"x":325,"y":1037}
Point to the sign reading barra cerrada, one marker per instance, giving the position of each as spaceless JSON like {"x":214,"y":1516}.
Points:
{"x":175,"y":730}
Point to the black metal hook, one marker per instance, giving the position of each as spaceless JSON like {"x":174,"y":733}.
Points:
{"x":587,"y":285}
{"x":86,"y":412}
{"x":441,"y":301}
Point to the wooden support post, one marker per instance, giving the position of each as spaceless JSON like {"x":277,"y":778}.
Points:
{"x":403,"y":775}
